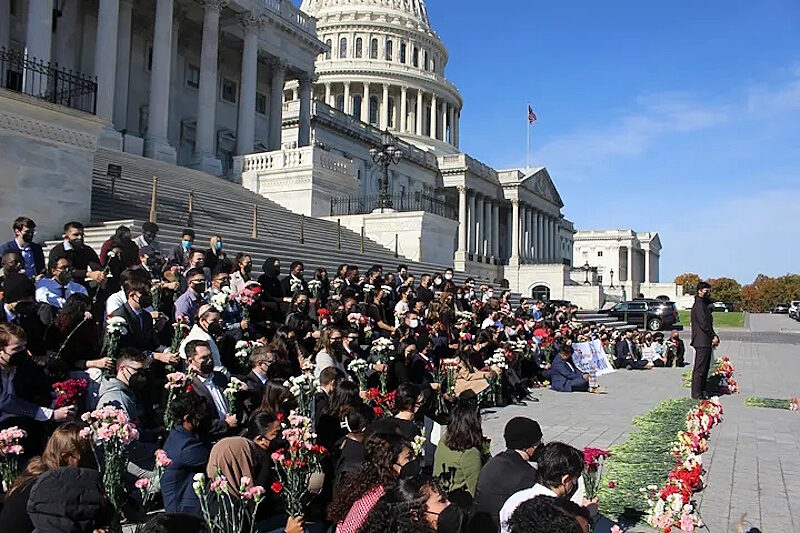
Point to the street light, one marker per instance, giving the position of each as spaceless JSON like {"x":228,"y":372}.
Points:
{"x":386,"y":155}
{"x":586,"y":269}
{"x":612,"y":278}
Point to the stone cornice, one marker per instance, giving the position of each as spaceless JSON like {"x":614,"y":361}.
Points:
{"x":43,"y":130}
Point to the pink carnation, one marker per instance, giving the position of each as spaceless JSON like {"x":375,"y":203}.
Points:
{"x":142,"y":483}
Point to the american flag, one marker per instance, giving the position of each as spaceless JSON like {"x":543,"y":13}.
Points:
{"x":531,"y":116}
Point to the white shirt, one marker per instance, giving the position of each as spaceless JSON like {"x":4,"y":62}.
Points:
{"x":197,"y":334}
{"x":218,"y":396}
{"x":323,"y":361}
{"x":517,"y":498}
{"x":115,"y":301}
{"x":48,"y":291}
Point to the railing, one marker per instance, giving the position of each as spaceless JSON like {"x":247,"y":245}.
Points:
{"x":413,"y":201}
{"x":290,"y":13}
{"x":47,"y":81}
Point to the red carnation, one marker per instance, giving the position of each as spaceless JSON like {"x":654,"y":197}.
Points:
{"x":277,"y":487}
{"x":287,"y":463}
{"x":612,"y":485}
{"x":189,"y":389}
{"x":378,"y":411}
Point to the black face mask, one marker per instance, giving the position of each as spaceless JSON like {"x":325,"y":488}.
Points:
{"x":276,"y":444}
{"x":25,"y":308}
{"x":451,"y":520}
{"x":145,"y":300}
{"x":207,"y":367}
{"x":302,"y":306}
{"x":248,"y":268}
{"x":76,"y":243}
{"x":27,"y":237}
{"x":17,"y":358}
{"x":199,"y":287}
{"x":200,"y":264}
{"x":137,"y":381}
{"x":214,"y":329}
{"x":411,"y":469}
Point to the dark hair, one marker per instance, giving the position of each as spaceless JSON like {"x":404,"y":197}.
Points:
{"x":149,"y":226}
{"x":189,"y":232}
{"x":358,"y":417}
{"x":295,"y":264}
{"x":53,"y":261}
{"x":345,"y":394}
{"x":276,"y":398}
{"x":406,"y":397}
{"x":402,"y":509}
{"x":21,"y":223}
{"x":194,"y":272}
{"x":555,"y":460}
{"x":73,"y":312}
{"x":329,"y":375}
{"x":703,"y":285}
{"x":464,"y":429}
{"x":130,"y":354}
{"x":191,"y":347}
{"x":192,"y":406}
{"x":401,"y":266}
{"x":72,"y":224}
{"x":176,"y":523}
{"x":567,"y":349}
{"x":542,"y":514}
{"x":381,"y":451}
{"x":135,"y":285}
{"x":259,"y":424}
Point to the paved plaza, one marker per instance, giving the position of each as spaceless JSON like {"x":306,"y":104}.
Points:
{"x":753,"y":461}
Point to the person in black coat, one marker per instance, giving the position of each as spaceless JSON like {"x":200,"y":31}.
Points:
{"x":84,"y":260}
{"x":505,"y":473}
{"x":70,"y":499}
{"x":19,"y":307}
{"x":271,"y":290}
{"x":676,"y":352}
{"x":423,"y":292}
{"x":30,"y":252}
{"x":704,"y":339}
{"x":295,"y":277}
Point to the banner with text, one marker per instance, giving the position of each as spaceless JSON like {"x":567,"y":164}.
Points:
{"x":588,"y":353}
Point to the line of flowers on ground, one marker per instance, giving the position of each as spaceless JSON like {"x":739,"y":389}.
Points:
{"x":720,"y":379}
{"x":792,"y":404}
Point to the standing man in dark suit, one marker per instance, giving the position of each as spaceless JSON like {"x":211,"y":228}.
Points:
{"x":704,"y":339}
{"x":85,"y":263}
{"x":31,"y":252}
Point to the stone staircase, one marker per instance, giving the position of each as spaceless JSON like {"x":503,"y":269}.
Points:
{"x":599,"y":318}
{"x":225,"y":208}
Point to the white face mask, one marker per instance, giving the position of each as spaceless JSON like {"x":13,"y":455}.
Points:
{"x":448,"y":277}
{"x":413,"y":324}
{"x":489,"y":294}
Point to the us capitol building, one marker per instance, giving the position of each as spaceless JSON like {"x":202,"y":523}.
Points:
{"x":287,"y":102}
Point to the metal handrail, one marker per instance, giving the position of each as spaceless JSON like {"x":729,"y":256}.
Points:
{"x":404,"y":202}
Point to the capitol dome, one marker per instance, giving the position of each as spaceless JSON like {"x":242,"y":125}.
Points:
{"x":386,"y":66}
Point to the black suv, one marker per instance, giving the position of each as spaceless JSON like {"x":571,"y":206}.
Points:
{"x":646,"y":314}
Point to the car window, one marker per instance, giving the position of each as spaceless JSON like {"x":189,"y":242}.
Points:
{"x":621,"y":307}
{"x":636,"y":306}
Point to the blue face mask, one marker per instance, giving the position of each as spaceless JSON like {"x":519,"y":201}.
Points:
{"x":186,"y":245}
{"x":218,"y":246}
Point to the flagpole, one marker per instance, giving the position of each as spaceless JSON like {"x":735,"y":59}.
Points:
{"x":528,"y":144}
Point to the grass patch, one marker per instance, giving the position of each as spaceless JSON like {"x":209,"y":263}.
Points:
{"x":645,"y":459}
{"x":721,"y":320}
{"x":770,"y":403}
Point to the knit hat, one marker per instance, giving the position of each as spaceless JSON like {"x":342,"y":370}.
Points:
{"x":16,"y":287}
{"x":521,"y":432}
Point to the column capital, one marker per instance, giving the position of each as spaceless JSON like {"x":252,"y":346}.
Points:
{"x":127,"y":4}
{"x":307,"y":77}
{"x":278,"y":64}
{"x":515,"y":202}
{"x":211,"y":5}
{"x":462,"y":189}
{"x":252,"y":21}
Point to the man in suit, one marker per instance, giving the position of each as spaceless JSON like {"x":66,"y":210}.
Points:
{"x":424,"y":293}
{"x":564,"y":377}
{"x":506,"y":473}
{"x":261,"y":357}
{"x":20,"y":307}
{"x":180,"y":253}
{"x":56,"y":290}
{"x":210,"y":386}
{"x":704,"y":339}
{"x":295,"y":277}
{"x":31,"y":252}
{"x":85,"y":263}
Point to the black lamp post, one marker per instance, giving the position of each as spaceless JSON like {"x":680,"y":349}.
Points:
{"x":386,"y":155}
{"x":586,"y":269}
{"x":612,"y":278}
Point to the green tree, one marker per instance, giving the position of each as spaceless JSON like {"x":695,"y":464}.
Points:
{"x":726,"y":290}
{"x":689,"y":280}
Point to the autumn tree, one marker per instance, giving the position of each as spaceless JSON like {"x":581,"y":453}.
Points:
{"x":765,"y":292}
{"x":726,"y":290}
{"x":689,"y":280}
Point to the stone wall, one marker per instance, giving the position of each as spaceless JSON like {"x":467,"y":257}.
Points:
{"x":45,"y":163}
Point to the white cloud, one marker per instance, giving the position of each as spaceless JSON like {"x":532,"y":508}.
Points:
{"x":766,"y":100}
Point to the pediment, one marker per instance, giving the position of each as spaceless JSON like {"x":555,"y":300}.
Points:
{"x":540,"y":183}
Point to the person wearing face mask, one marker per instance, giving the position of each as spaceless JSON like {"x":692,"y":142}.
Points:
{"x":180,"y":253}
{"x":330,"y":351}
{"x":243,"y":274}
{"x":189,"y":302}
{"x":299,"y":320}
{"x":704,"y":339}
{"x":209,"y":385}
{"x":56,"y":289}
{"x":387,"y":458}
{"x":232,"y":315}
{"x":438,"y":285}
{"x":424,"y":293}
{"x":121,"y":240}
{"x":131,"y":378}
{"x":85,"y":263}
{"x":559,"y":468}
{"x":148,"y":241}
{"x":207,"y":328}
{"x":21,"y":308}
{"x":506,"y":473}
{"x":30,"y":252}
{"x":214,"y":253}
{"x":294,"y":279}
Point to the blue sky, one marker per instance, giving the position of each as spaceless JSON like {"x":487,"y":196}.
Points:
{"x":681,"y":117}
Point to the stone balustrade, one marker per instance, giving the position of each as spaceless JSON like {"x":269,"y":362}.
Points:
{"x":306,"y":157}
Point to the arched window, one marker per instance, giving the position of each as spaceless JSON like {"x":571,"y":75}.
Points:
{"x":415,"y":57}
{"x":357,"y":107}
{"x":541,"y":292}
{"x":359,"y":46}
{"x":329,"y":44}
{"x":403,"y":53}
{"x":389,"y":49}
{"x":340,"y":102}
{"x":391,"y":112}
{"x":425,"y":60}
{"x":373,"y":109}
{"x":343,"y":48}
{"x":373,"y":49}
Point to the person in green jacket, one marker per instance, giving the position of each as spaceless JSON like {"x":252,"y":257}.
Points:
{"x":458,"y":460}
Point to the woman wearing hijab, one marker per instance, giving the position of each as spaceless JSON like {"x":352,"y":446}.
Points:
{"x":271,"y":289}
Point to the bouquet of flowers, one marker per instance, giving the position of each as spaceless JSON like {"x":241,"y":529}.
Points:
{"x":235,"y":510}
{"x":296,"y":286}
{"x":595,"y":459}
{"x":368,"y":289}
{"x":382,"y":404}
{"x":383,"y":349}
{"x":336,"y":288}
{"x":116,"y":327}
{"x":296,"y":463}
{"x":179,"y":331}
{"x":70,"y":392}
{"x":148,"y":485}
{"x":324,"y":317}
{"x":111,"y":430}
{"x":794,"y":404}
{"x":175,"y":274}
{"x":314,"y":288}
{"x":235,"y":386}
{"x":671,"y":508}
{"x":364,"y":323}
{"x":418,"y":445}
{"x":498,"y":359}
{"x":303,"y":387}
{"x":10,"y":450}
{"x":360,"y":368}
{"x":243,"y":350}
{"x":175,"y":385}
{"x":220,"y":299}
{"x":246,"y":298}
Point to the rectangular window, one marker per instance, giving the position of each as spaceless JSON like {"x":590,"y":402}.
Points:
{"x":600,"y":253}
{"x":229,"y":91}
{"x":149,"y":58}
{"x":193,"y":76}
{"x":600,"y":279}
{"x":261,"y":103}
{"x":403,"y":53}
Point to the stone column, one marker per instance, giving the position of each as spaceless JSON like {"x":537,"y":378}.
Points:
{"x":452,"y":123}
{"x":420,"y":98}
{"x":463,"y":229}
{"x":495,"y":230}
{"x":550,"y":239}
{"x":156,"y":145}
{"x":276,"y":104}
{"x":304,"y":130}
{"x":384,"y":118}
{"x":205,"y":156}
{"x":539,"y":233}
{"x":529,"y":251}
{"x":5,"y":23}
{"x":328,"y":94}
{"x":445,"y":107}
{"x":473,"y":223}
{"x":456,"y":126}
{"x":123,"y":65}
{"x":487,"y":227}
{"x":38,"y":42}
{"x":245,"y":133}
{"x":433,"y":116}
{"x":514,"y":259}
{"x":403,"y":109}
{"x":348,"y":104}
{"x":479,"y":226}
{"x":105,"y":63}
{"x":365,"y":104}
{"x":646,"y":266}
